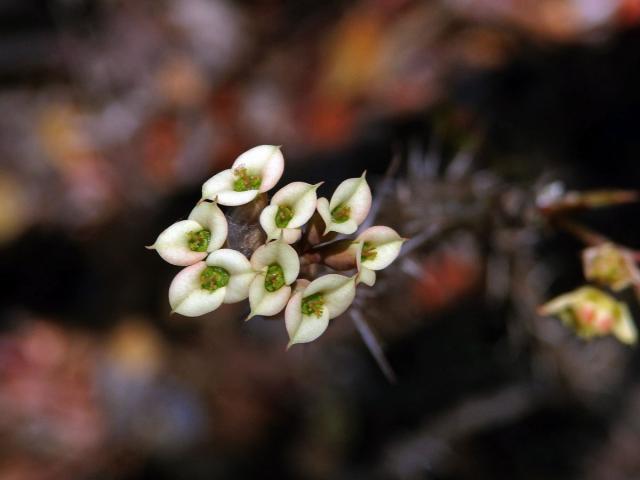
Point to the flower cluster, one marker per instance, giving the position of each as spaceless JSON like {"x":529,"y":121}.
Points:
{"x":588,"y":310}
{"x":301,"y":234}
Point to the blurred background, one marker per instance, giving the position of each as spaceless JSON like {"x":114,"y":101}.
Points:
{"x":113,"y":113}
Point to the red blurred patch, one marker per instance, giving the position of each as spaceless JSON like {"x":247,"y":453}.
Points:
{"x":446,"y":277}
{"x":160,"y":147}
{"x":629,"y":12}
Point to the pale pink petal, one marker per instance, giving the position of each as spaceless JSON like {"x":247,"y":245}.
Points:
{"x":347,"y":228}
{"x":387,"y":245}
{"x":303,"y":328}
{"x":366,"y":276}
{"x":264,"y":160}
{"x":211,"y":217}
{"x":238,"y":287}
{"x":187,"y":298}
{"x":231,"y":198}
{"x":173,"y":244}
{"x":291,"y":235}
{"x":338,"y":292}
{"x":624,"y":329}
{"x":301,"y":197}
{"x":280,"y":253}
{"x":232,"y":261}
{"x":266,"y":303}
{"x":268,"y":224}
{"x":356,"y":194}
{"x":220,"y":182}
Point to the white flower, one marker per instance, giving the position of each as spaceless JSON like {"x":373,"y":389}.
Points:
{"x":312,"y":306}
{"x":277,"y":265}
{"x":610,"y":265}
{"x":592,"y":313}
{"x":291,"y":207}
{"x":348,"y":208}
{"x":201,"y":288}
{"x":378,"y":247}
{"x":188,"y":241}
{"x":255,"y":171}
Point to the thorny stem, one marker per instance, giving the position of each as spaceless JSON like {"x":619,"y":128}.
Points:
{"x":382,"y":191}
{"x":373,"y":345}
{"x":590,"y":237}
{"x":582,"y":233}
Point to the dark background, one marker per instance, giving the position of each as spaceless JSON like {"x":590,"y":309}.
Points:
{"x":114,"y":113}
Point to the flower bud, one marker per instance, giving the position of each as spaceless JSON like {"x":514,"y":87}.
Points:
{"x":610,"y":266}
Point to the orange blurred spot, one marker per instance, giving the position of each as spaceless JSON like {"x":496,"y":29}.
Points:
{"x":446,"y":278}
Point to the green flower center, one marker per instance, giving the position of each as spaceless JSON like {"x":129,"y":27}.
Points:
{"x":368,"y":252}
{"x":213,"y":278}
{"x":245,"y":181}
{"x":284,"y":216}
{"x":199,"y":241}
{"x":274,"y":279}
{"x":313,"y":305}
{"x":341,"y":213}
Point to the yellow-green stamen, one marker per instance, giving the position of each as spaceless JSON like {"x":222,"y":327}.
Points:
{"x":313,"y":305}
{"x":199,"y":241}
{"x":283,"y":216}
{"x":213,"y":278}
{"x":341,"y":213}
{"x":274,"y":279}
{"x":245,"y":181}
{"x":368,"y":252}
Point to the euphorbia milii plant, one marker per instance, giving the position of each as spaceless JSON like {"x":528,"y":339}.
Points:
{"x":291,"y":273}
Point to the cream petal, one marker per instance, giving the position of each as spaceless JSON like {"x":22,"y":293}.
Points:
{"x":280,"y":253}
{"x":366,"y":276}
{"x":187,"y":298}
{"x":355,"y":193}
{"x":301,"y":197}
{"x":347,"y":228}
{"x":268,"y":222}
{"x":211,"y":217}
{"x":291,"y":235}
{"x":387,"y":243}
{"x":266,"y":303}
{"x":232,"y":198}
{"x":303,"y":328}
{"x":300,"y":284}
{"x":322,"y":205}
{"x":173,"y":244}
{"x":559,"y":303}
{"x":231,"y":260}
{"x":338,"y":292}
{"x":264,"y":160}
{"x":220,"y":182}
{"x":238,"y":287}
{"x":625,"y":329}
